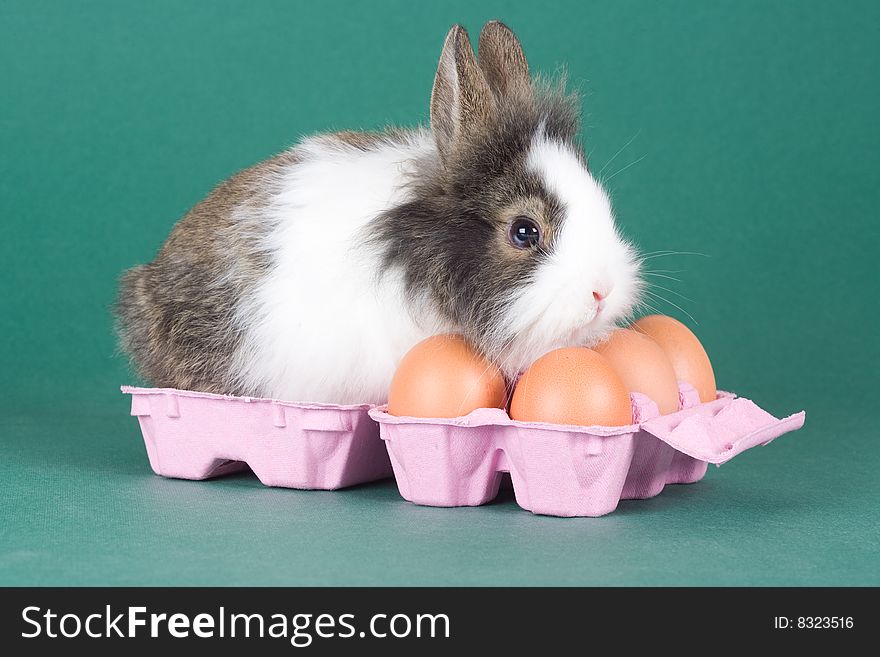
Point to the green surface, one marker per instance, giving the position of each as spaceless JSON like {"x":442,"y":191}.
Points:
{"x":754,"y":140}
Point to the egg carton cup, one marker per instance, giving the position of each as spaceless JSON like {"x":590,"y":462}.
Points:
{"x":565,"y":470}
{"x":197,"y":435}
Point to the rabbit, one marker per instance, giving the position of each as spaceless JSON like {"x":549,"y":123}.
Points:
{"x":307,"y":277}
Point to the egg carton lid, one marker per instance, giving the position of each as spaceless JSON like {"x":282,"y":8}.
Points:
{"x":718,"y":430}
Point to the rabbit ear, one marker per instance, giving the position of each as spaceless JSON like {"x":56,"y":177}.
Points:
{"x":502,"y":59}
{"x":461,"y":100}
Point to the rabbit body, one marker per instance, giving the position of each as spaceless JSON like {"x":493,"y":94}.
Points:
{"x":309,"y":276}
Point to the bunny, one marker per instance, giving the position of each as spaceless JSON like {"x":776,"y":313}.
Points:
{"x":307,"y":277}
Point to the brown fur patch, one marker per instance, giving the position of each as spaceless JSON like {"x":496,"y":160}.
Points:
{"x":176,"y":315}
{"x":368,"y":141}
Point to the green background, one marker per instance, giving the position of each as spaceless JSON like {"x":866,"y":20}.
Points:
{"x":751,"y":131}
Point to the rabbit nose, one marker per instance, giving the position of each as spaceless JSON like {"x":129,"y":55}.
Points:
{"x":598,"y":296}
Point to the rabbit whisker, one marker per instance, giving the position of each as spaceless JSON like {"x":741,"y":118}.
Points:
{"x":659,"y":275}
{"x":622,"y":148}
{"x":631,"y":164}
{"x":678,"y":294}
{"x":674,"y":305}
{"x":661,"y":254}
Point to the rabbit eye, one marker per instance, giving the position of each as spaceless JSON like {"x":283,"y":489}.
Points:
{"x":524,"y":233}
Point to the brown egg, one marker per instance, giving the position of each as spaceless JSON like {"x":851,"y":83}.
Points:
{"x":443,"y":376}
{"x":572,"y":386}
{"x":689,"y":359}
{"x":643,"y":367}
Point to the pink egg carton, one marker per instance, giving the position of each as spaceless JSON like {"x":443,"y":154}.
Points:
{"x":564,"y":470}
{"x":197,"y":435}
{"x":555,"y":469}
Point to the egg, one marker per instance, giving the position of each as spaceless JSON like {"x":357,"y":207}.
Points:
{"x":444,"y":376}
{"x":689,"y":359}
{"x":643,"y":367}
{"x":575,"y":385}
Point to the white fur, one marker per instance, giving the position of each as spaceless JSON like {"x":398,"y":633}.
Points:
{"x":322,"y":327}
{"x":557,"y":308}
